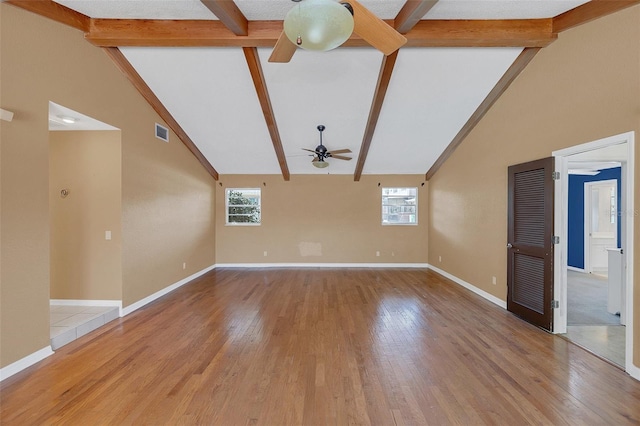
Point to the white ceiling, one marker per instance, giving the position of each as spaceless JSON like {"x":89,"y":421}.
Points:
{"x":58,"y":114}
{"x":611,"y":153}
{"x":255,"y":10}
{"x":432,"y":93}
{"x":592,"y":161}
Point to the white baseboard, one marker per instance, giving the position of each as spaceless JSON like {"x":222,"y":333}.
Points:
{"x":140,"y":303}
{"x":633,"y":371}
{"x":573,"y":268}
{"x":322,"y":265}
{"x":468,"y":286}
{"x":25,"y":362}
{"x":84,"y":302}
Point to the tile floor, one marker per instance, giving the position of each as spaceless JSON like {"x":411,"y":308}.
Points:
{"x":607,"y":341}
{"x":590,"y":325}
{"x":71,"y":322}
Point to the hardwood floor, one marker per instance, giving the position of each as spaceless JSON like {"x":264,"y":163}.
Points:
{"x":316,"y":347}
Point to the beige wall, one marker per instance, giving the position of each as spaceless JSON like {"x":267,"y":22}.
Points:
{"x":167,"y":197}
{"x":321,"y":219}
{"x":84,"y":265}
{"x":584,"y":87}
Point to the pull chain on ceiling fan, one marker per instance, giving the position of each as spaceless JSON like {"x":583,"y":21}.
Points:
{"x":321,"y":152}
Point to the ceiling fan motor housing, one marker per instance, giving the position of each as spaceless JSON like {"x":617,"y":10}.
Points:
{"x":321,"y":150}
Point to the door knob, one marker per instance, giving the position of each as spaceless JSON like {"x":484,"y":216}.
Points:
{"x":509,"y":245}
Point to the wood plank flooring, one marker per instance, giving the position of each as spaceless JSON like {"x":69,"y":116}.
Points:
{"x":320,"y":347}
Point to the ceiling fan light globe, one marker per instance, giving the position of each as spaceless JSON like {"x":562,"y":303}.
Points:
{"x":320,"y":25}
{"x":320,"y":164}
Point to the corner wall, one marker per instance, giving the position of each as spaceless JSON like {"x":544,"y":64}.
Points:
{"x":167,"y":196}
{"x":84,"y":265}
{"x":322,"y":219}
{"x":583,"y":87}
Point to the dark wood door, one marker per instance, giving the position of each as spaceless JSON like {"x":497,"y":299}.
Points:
{"x":530,"y":242}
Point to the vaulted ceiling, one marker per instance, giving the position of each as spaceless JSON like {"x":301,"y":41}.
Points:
{"x":203,"y":65}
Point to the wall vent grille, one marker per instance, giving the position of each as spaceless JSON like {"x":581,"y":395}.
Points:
{"x":162,"y":133}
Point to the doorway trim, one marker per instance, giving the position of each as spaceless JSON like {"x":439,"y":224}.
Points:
{"x":561,"y":226}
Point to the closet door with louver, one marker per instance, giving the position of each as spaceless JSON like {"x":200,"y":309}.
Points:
{"x":530,"y":242}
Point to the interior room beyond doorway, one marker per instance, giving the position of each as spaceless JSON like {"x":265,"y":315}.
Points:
{"x":594,"y":229}
{"x":85,"y":193}
{"x":589,"y":324}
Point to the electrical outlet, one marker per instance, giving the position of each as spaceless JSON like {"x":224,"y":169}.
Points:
{"x":439,"y":258}
{"x":377,"y":253}
{"x":392,"y":254}
{"x":107,"y":235}
{"x":184,"y":265}
{"x":265,"y":253}
{"x":493,"y":280}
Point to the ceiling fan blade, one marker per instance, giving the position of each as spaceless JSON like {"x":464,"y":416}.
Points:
{"x":283,"y":50}
{"x":374,"y":30}
{"x":339,"y":151}
{"x":340,"y":157}
{"x":315,"y":159}
{"x":310,"y":150}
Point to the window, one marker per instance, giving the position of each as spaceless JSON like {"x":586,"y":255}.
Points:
{"x":243,"y":206}
{"x":399,"y":206}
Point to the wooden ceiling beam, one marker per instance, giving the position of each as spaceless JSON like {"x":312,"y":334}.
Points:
{"x":509,"y":76}
{"x":588,"y":12}
{"x":57,"y":12}
{"x":411,"y":13}
{"x":127,"y":69}
{"x":432,"y":33}
{"x":386,"y":69}
{"x":407,"y":18}
{"x":482,"y":33}
{"x":229,"y":14}
{"x":253,"y":61}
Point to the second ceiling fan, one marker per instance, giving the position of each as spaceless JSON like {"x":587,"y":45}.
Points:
{"x":325,"y":24}
{"x":321,"y":152}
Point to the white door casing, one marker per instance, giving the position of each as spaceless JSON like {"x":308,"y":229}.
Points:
{"x":627,"y":225}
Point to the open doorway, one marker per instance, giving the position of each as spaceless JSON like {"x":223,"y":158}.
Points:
{"x":85,"y":218}
{"x":593,"y":275}
{"x":601,"y":216}
{"x":594,"y":248}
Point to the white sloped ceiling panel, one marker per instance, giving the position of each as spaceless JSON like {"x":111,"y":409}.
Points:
{"x":209,"y":91}
{"x":331,"y":88}
{"x":432,"y":94}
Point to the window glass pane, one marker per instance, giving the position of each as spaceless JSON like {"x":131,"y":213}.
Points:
{"x":399,"y":206}
{"x":243,"y":206}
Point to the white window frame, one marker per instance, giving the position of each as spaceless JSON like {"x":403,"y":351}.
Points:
{"x":382,"y":193}
{"x":226,"y":202}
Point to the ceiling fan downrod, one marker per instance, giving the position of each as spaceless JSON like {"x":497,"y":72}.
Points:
{"x":321,"y":150}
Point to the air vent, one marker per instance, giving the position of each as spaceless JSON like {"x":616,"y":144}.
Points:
{"x":162,"y":133}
